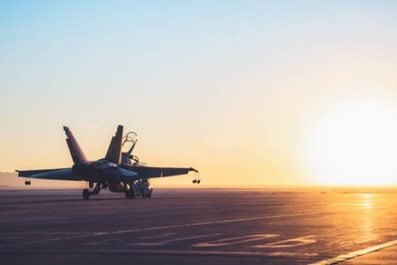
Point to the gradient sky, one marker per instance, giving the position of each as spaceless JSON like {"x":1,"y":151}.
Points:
{"x":248,"y":92}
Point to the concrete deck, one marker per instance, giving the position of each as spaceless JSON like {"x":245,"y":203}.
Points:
{"x":199,"y":227}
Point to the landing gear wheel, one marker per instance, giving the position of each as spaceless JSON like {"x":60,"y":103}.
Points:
{"x":130,"y":194}
{"x":148,"y":195}
{"x":86,"y":194}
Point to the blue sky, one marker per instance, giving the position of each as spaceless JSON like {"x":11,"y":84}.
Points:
{"x":231,"y":87}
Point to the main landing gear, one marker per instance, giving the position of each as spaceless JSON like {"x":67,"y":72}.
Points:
{"x":130,"y":193}
{"x":87,"y":192}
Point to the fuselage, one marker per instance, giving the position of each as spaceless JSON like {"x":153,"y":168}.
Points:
{"x":94,"y":171}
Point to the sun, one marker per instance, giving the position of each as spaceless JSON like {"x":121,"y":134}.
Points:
{"x":355,"y":143}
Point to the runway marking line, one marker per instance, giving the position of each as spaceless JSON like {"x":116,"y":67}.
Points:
{"x":176,"y":226}
{"x":355,"y":254}
{"x":157,"y":236}
{"x":289,"y":243}
{"x":235,"y":240}
{"x":166,"y":242}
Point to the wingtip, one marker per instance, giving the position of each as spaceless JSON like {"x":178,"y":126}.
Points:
{"x":193,"y":169}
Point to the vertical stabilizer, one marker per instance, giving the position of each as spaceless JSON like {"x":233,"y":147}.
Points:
{"x":114,"y":152}
{"x":74,"y":148}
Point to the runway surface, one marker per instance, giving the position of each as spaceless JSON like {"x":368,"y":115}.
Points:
{"x":199,"y":227}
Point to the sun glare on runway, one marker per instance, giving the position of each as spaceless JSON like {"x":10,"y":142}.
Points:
{"x":355,"y":143}
{"x":367,"y":200}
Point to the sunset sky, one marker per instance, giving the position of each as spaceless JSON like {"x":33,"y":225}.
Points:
{"x":248,"y":92}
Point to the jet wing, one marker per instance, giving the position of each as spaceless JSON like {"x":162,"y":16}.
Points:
{"x":159,"y":172}
{"x":57,"y":174}
{"x":117,"y":171}
{"x":124,"y":174}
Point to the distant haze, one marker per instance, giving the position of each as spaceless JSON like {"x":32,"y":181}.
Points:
{"x":10,"y":180}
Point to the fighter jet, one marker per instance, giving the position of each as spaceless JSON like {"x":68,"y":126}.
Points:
{"x":106,"y":173}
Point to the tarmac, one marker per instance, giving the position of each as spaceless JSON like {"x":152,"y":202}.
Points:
{"x":206,"y":226}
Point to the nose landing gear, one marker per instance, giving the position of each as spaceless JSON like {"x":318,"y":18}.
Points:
{"x":27,"y":182}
